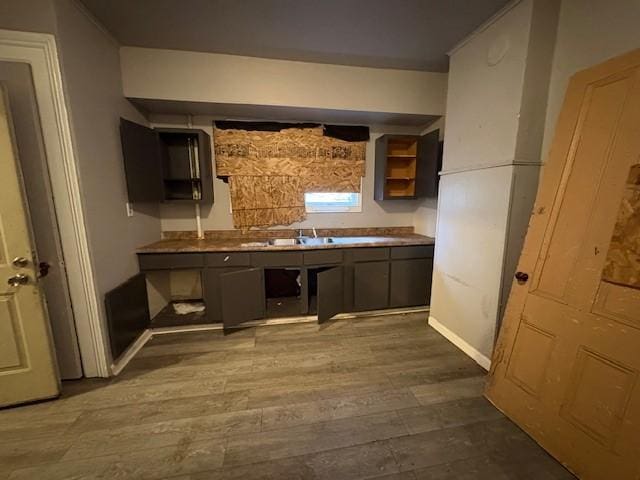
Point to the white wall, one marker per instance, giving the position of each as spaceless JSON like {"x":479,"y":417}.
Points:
{"x":490,"y":170}
{"x":209,"y":77}
{"x":397,"y":213}
{"x":589,"y":32}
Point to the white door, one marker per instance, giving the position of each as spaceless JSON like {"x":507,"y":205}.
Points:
{"x":27,"y":363}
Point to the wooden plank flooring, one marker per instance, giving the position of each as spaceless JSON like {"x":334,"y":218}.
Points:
{"x":380,"y":397}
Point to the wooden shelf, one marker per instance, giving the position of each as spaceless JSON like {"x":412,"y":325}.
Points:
{"x":406,"y":166}
{"x":401,"y":188}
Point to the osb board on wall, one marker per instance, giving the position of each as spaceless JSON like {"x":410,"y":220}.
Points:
{"x":306,"y":153}
{"x":264,"y":201}
{"x":269,"y":172}
{"x":622,"y":266}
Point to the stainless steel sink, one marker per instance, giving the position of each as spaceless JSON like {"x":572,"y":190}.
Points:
{"x":300,"y":241}
{"x":317,"y":240}
{"x":284,"y":241}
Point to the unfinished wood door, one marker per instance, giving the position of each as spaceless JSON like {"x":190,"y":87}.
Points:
{"x":27,"y":365}
{"x":567,"y":363}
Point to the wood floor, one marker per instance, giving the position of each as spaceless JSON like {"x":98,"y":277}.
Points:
{"x":383,"y":397}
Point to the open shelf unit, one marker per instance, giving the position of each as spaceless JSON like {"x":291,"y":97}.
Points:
{"x":406,"y":166}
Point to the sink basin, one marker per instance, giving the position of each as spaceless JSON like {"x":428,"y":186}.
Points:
{"x":284,"y":241}
{"x":317,"y":241}
{"x":300,"y":241}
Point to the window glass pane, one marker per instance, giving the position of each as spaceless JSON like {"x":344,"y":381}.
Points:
{"x":326,"y":201}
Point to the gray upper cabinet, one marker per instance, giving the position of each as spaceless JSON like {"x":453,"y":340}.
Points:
{"x":406,"y":166}
{"x":166,"y":164}
{"x":140,"y":150}
{"x":242,"y":296}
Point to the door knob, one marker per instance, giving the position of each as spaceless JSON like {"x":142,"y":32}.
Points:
{"x":20,"y":262}
{"x":522,"y":277}
{"x":19,"y":279}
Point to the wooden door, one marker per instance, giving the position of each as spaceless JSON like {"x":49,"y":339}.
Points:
{"x":243,"y":297}
{"x":330,"y":293}
{"x":27,"y":363}
{"x":567,"y":364}
{"x":371,"y":286}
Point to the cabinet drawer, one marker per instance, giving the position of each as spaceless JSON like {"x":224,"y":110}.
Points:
{"x":369,"y":254}
{"x":230,"y":259}
{"x":276,"y":259}
{"x":167,"y":261}
{"x":419,"y":251}
{"x":322,"y":257}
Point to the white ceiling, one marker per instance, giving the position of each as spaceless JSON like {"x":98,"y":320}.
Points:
{"x":404,"y":34}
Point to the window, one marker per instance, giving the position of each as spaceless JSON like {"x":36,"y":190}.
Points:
{"x":318,"y":202}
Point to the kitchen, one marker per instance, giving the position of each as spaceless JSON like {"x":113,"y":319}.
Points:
{"x":298,"y":239}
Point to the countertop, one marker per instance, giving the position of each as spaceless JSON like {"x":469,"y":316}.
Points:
{"x":261,"y":245}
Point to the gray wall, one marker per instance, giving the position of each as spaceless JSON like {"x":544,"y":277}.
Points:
{"x":395,"y":213}
{"x":90,"y":66}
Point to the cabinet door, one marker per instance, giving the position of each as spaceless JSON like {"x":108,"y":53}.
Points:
{"x":242,"y":294}
{"x":371,"y":286}
{"x":380,"y":170}
{"x":427,"y":165}
{"x":410,"y":282}
{"x":330,"y":293}
{"x":142,"y":165}
{"x":212,"y":286}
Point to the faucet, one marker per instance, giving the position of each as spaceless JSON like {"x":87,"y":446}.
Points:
{"x":300,"y":233}
{"x":315,"y":234}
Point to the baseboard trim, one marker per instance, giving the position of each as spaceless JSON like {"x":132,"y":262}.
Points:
{"x":478,"y":357}
{"x":130,"y":352}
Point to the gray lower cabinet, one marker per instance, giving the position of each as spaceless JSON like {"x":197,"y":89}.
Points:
{"x":212,"y":290}
{"x":371,"y":286}
{"x":331,"y":281}
{"x":330,"y":296}
{"x":410,"y":282}
{"x":242,"y":296}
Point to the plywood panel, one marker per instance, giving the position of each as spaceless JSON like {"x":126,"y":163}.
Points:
{"x":270,"y":171}
{"x":623,"y":260}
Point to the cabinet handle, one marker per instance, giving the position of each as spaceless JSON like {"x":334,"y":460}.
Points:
{"x":522,"y":277}
{"x":226,"y":258}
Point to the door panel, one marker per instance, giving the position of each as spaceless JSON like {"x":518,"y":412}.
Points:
{"x":212,"y":291}
{"x":371,"y":286}
{"x":141,"y":154}
{"x":243,"y":297}
{"x":410,"y":282}
{"x":566,"y":366}
{"x":330,"y":293}
{"x":27,"y":364}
